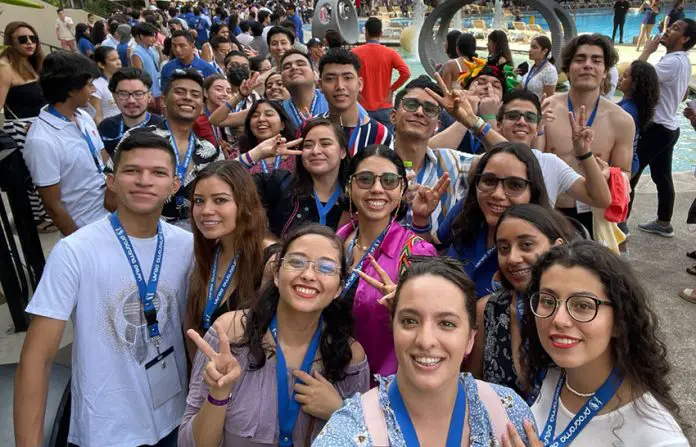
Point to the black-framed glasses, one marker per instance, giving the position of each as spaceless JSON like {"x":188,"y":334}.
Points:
{"x":367,"y":179}
{"x":299,"y":263}
{"x":512,"y":186}
{"x":23,"y":40}
{"x":581,"y":308}
{"x":514,"y":115}
{"x":429,"y":109}
{"x":123,"y":95}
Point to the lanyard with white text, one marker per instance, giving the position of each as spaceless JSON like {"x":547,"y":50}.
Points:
{"x":214,"y":297}
{"x":593,"y":406}
{"x":146,"y":291}
{"x":92,"y":149}
{"x":354,"y":274}
{"x":216,"y":131}
{"x":403,"y":419}
{"x":288,"y":407}
{"x":276,"y":164}
{"x":297,"y":116}
{"x":533,"y":72}
{"x":592,"y":115}
{"x":181,"y":168}
{"x":324,"y":210}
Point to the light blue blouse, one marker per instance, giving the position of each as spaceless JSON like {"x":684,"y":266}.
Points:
{"x":347,"y":427}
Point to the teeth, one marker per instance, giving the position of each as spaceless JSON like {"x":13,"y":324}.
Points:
{"x":189,"y":108}
{"x":428,"y":361}
{"x":564,"y":341}
{"x":520,"y":273}
{"x":306,"y":290}
{"x":377,"y":203}
{"x":498,"y":209}
{"x":210,"y":222}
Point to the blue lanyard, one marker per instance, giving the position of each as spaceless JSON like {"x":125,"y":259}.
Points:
{"x":593,"y":406}
{"x":213,"y":128}
{"x":181,"y":168}
{"x":456,"y":427}
{"x":288,"y":407}
{"x":373,"y":247}
{"x":519,"y":305}
{"x":214,"y":297}
{"x":276,"y":164}
{"x":296,"y":117}
{"x":146,"y":291}
{"x":354,"y":134}
{"x":533,"y":72}
{"x":592,"y":115}
{"x":92,"y":149}
{"x":324,"y":210}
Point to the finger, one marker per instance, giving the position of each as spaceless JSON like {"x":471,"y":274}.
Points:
{"x":445,"y":89}
{"x":531,"y":434}
{"x":440,"y":100}
{"x":203,"y":345}
{"x":317,"y":375}
{"x":583,"y":114}
{"x":573,"y":122}
{"x":302,"y":389}
{"x":380,"y":271}
{"x":293,"y":143}
{"x":370,"y":280}
{"x":224,"y":340}
{"x":387,"y":300}
{"x":290,"y":152}
{"x":212,"y":371}
{"x":301,"y":398}
{"x":304,"y":377}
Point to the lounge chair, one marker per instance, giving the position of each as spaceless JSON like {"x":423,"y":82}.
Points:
{"x":520,"y":32}
{"x":479,"y":28}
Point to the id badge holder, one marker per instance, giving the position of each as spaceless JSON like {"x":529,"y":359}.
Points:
{"x":163,"y":377}
{"x":582,"y":207}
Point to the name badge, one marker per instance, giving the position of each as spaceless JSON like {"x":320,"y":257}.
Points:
{"x":163,"y":377}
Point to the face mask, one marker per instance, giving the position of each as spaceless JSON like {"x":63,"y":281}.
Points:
{"x":237,"y":75}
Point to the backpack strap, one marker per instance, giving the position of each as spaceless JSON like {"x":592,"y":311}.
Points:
{"x":406,"y":251}
{"x":374,"y":418}
{"x":496,"y":411}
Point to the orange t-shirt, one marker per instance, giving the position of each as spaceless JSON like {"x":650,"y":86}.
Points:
{"x":376,"y":64}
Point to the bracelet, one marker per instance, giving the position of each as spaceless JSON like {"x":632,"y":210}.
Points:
{"x":218,"y":403}
{"x":421,"y":230}
{"x":483,"y":131}
{"x":248,"y":161}
{"x":489,"y":117}
{"x":478,"y":125}
{"x":584,"y":156}
{"x":540,"y":133}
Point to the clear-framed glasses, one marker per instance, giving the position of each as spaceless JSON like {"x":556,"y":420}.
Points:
{"x":299,"y":263}
{"x":367,"y":179}
{"x":123,"y":95}
{"x":581,"y":308}
{"x":429,"y":109}
{"x":512,"y":186}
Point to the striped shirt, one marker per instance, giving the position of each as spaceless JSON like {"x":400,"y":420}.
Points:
{"x":372,"y":132}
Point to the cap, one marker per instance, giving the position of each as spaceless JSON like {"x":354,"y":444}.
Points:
{"x":312,"y":42}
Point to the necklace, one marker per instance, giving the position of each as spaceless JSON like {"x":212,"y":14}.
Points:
{"x":577,"y":393}
{"x":361,"y":247}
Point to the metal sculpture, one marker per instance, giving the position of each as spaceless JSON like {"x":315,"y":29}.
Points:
{"x":430,"y":46}
{"x":339,"y":15}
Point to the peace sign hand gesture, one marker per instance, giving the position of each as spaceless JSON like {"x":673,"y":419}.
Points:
{"x":455,"y":103}
{"x":386,"y":286}
{"x":426,"y":199}
{"x":248,"y":85}
{"x":222,"y":370}
{"x":277,"y":146}
{"x":582,"y":133}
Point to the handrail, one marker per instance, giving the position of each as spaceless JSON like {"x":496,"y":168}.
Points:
{"x":51,"y":48}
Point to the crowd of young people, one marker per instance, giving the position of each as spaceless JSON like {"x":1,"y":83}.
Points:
{"x":251,"y":254}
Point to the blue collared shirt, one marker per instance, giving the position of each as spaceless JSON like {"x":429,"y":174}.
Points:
{"x":203,"y":67}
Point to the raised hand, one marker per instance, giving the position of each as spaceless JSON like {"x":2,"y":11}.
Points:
{"x":222,"y":370}
{"x":455,"y":103}
{"x":250,"y":52}
{"x":277,"y":146}
{"x":317,"y":395}
{"x":426,"y":199}
{"x":582,"y":134}
{"x":384,"y":285}
{"x":548,"y":115}
{"x":652,"y":44}
{"x":248,"y":85}
{"x":513,"y":439}
{"x":282,"y":148}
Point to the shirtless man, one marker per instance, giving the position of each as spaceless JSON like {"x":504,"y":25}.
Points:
{"x":587,"y":60}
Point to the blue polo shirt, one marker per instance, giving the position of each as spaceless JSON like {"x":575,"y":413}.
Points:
{"x":203,"y":67}
{"x":319,"y":107}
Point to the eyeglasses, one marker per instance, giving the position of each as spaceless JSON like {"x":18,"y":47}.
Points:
{"x":581,"y":308}
{"x":124,"y":95}
{"x":514,"y":115}
{"x":429,"y":109}
{"x":299,"y":263}
{"x":366,"y":180}
{"x":512,"y":186}
{"x":23,"y":40}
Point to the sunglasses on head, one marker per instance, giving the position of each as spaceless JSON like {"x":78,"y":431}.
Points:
{"x":514,"y":115}
{"x":429,"y":109}
{"x":366,"y":180}
{"x":23,"y":40}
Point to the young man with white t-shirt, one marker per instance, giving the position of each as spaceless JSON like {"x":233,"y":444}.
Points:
{"x":122,"y":280}
{"x":65,"y":31}
{"x":63,"y":150}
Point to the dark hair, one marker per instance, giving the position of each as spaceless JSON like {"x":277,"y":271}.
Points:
{"x":502,"y":47}
{"x":245,"y":25}
{"x":466,"y":45}
{"x":339,"y":56}
{"x":451,"y":47}
{"x":379,"y":150}
{"x":611,"y":57}
{"x":100,"y":54}
{"x":645,"y":91}
{"x":336,"y":338}
{"x":290,"y":52}
{"x":249,"y":234}
{"x":60,"y":10}
{"x":518,"y":95}
{"x":333,"y":39}
{"x":636,"y":347}
{"x":144,"y":29}
{"x":256,"y":29}
{"x":690,"y":32}
{"x":248,"y":140}
{"x":113,"y":25}
{"x":189,"y":73}
{"x":64,"y":72}
{"x":471,"y":220}
{"x":129,"y":74}
{"x":552,"y":224}
{"x":217,"y":40}
{"x":210,"y":80}
{"x":262,"y":15}
{"x":234,"y":53}
{"x":98,"y":32}
{"x":215,"y":29}
{"x":15,"y":58}
{"x":143,"y":138}
{"x":373,"y":27}
{"x":421,"y":82}
{"x":255,"y":63}
{"x":287,"y":24}
{"x":302,"y":184}
{"x":280,"y":30}
{"x":446,"y":268}
{"x":183,"y":33}
{"x":545,"y":44}
{"x":82,"y":32}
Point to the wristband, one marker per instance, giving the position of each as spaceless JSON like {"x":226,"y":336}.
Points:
{"x":478,"y":125}
{"x":483,"y":131}
{"x":540,"y":133}
{"x":421,"y":230}
{"x":248,"y":161}
{"x":488,"y":117}
{"x":218,"y":403}
{"x":584,"y":156}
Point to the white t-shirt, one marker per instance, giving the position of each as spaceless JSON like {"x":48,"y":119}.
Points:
{"x":88,"y":279}
{"x":626,"y":426}
{"x":101,"y":92}
{"x":547,"y":76}
{"x":558,"y":176}
{"x":673,"y":72}
{"x":64,"y":29}
{"x":56,"y":152}
{"x":613,"y":81}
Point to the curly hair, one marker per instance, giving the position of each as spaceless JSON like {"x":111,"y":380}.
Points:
{"x":644,"y":91}
{"x":337,"y":336}
{"x":638,"y":351}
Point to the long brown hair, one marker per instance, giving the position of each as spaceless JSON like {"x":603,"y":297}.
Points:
{"x":13,"y":56}
{"x":249,"y":234}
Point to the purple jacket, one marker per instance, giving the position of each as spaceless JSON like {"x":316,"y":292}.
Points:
{"x":372,"y":320}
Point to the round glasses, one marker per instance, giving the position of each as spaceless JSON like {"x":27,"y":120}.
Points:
{"x":299,"y":263}
{"x":124,"y":95}
{"x":581,"y":308}
{"x":512,"y":186}
{"x":367,"y":179}
{"x":429,"y":109}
